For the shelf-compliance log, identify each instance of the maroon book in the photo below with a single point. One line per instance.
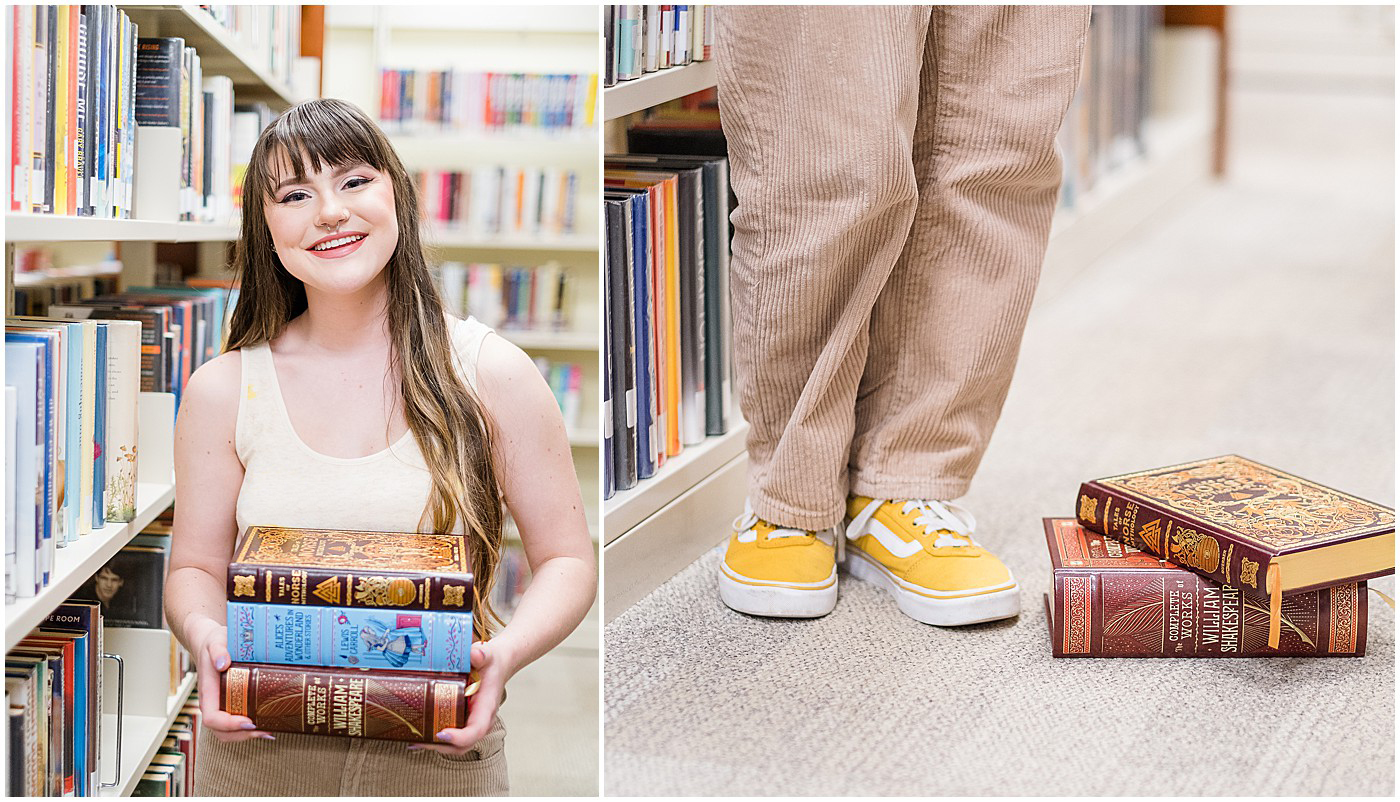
(1244, 524)
(350, 702)
(1113, 600)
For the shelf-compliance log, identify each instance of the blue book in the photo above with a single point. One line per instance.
(46, 393)
(23, 364)
(646, 362)
(99, 433)
(356, 637)
(72, 336)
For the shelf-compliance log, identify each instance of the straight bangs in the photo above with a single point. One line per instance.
(311, 137)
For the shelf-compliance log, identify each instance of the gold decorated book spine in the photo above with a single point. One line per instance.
(1181, 539)
(390, 590)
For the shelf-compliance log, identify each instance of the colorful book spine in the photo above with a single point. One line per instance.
(400, 706)
(349, 637)
(1112, 600)
(397, 590)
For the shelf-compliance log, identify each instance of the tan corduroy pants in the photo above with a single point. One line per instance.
(896, 173)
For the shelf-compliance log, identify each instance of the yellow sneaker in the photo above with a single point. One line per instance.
(772, 571)
(923, 553)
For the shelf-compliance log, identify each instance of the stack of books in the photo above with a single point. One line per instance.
(171, 770)
(1221, 557)
(356, 634)
(667, 266)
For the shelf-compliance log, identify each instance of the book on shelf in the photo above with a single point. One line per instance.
(53, 690)
(607, 411)
(1244, 524)
(508, 297)
(1113, 600)
(270, 34)
(498, 200)
(668, 232)
(620, 341)
(565, 380)
(72, 122)
(420, 101)
(130, 587)
(349, 702)
(640, 39)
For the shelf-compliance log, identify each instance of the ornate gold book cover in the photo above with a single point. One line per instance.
(368, 552)
(1230, 517)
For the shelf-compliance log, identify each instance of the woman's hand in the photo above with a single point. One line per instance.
(492, 665)
(210, 641)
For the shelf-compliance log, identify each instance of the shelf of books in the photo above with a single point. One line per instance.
(142, 736)
(77, 561)
(97, 354)
(253, 45)
(653, 54)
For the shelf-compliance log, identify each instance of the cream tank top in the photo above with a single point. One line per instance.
(286, 483)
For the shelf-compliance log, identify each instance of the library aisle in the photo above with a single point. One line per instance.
(1253, 316)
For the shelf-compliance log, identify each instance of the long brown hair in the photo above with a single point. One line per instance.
(445, 416)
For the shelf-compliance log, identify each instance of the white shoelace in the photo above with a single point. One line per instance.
(745, 525)
(953, 522)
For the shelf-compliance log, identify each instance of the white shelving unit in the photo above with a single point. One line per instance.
(627, 97)
(61, 228)
(76, 241)
(657, 527)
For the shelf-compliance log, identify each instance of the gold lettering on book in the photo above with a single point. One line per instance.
(236, 691)
(329, 590)
(244, 585)
(444, 706)
(299, 580)
(454, 595)
(1249, 572)
(316, 703)
(1088, 508)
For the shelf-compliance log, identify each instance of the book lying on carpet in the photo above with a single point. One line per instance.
(1113, 600)
(1244, 524)
(351, 702)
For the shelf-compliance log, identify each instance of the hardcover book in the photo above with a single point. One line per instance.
(129, 588)
(342, 636)
(1113, 600)
(357, 703)
(400, 590)
(1244, 524)
(370, 552)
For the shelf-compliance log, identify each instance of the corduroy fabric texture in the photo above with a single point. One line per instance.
(319, 765)
(896, 173)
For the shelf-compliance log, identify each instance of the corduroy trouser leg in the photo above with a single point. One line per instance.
(896, 173)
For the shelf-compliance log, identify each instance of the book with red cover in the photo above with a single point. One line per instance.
(1239, 523)
(1113, 600)
(349, 702)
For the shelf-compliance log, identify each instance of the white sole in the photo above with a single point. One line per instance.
(776, 600)
(1004, 602)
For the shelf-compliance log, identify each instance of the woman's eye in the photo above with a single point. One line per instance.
(357, 182)
(294, 196)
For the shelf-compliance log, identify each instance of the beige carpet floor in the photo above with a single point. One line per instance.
(1255, 316)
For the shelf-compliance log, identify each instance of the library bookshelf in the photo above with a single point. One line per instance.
(151, 697)
(660, 526)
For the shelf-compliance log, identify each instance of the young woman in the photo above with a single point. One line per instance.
(348, 399)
